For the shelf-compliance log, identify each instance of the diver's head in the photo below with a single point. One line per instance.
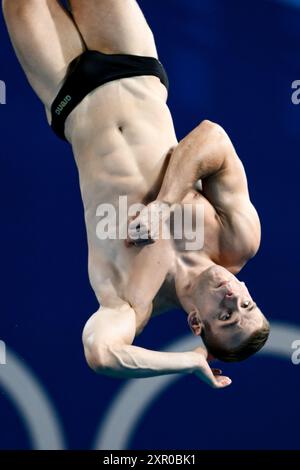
(221, 311)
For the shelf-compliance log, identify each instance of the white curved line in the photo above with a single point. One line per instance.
(32, 403)
(137, 395)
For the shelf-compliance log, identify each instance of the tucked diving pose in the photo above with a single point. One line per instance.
(95, 67)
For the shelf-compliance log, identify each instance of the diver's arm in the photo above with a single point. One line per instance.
(108, 338)
(205, 153)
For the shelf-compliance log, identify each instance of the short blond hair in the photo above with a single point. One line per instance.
(249, 347)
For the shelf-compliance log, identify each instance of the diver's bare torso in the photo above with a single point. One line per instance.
(121, 134)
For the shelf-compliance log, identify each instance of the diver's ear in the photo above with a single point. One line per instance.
(195, 323)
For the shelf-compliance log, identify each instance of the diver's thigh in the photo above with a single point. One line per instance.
(114, 26)
(45, 40)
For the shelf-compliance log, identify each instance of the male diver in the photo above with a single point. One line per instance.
(96, 70)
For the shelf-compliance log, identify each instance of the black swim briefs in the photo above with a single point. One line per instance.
(91, 70)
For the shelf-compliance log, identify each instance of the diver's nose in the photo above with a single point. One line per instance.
(236, 298)
(236, 302)
(231, 299)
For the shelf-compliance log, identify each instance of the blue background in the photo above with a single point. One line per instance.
(229, 61)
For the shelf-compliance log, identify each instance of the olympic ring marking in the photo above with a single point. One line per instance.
(119, 424)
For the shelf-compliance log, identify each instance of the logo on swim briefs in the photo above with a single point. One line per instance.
(2, 353)
(2, 92)
(63, 104)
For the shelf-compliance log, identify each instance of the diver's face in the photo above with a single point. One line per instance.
(225, 304)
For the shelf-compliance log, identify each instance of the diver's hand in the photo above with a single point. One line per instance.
(146, 228)
(212, 377)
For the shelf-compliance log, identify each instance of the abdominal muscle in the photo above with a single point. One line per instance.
(120, 134)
